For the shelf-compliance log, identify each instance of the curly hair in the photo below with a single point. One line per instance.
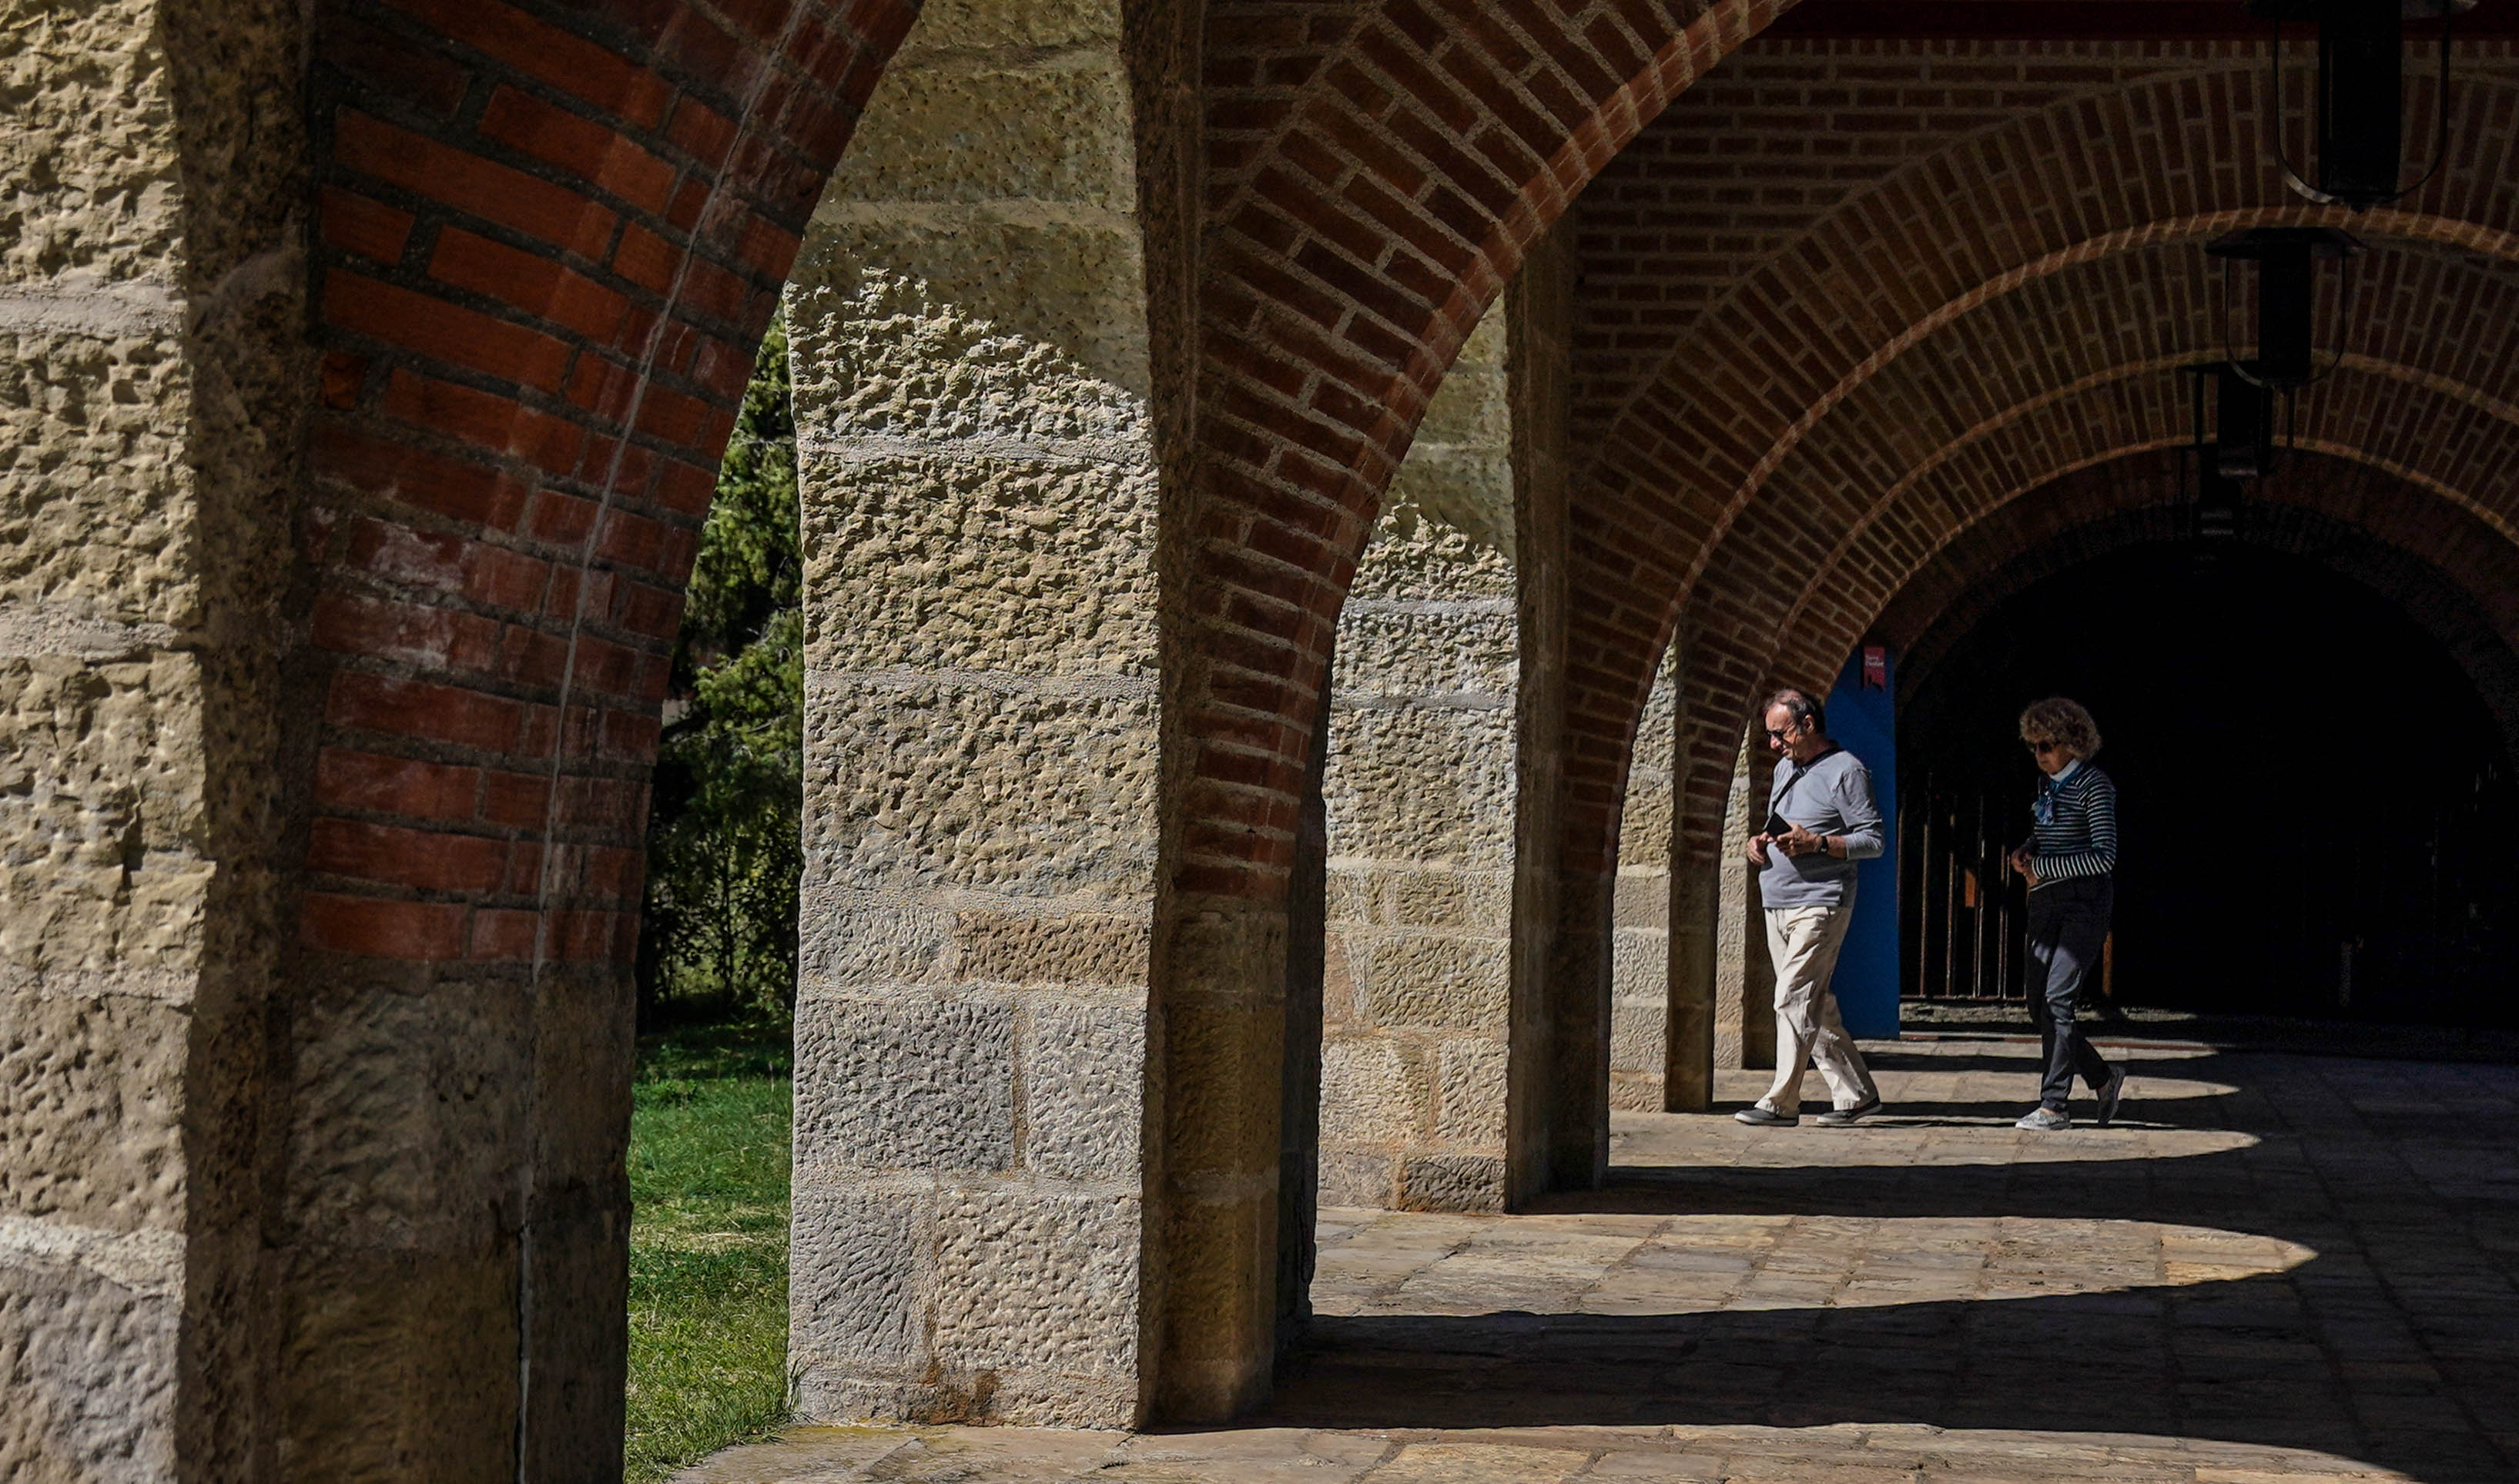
(2057, 720)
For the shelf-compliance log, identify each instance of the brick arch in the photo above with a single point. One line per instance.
(2377, 419)
(1937, 450)
(550, 238)
(2453, 573)
(2377, 415)
(1861, 499)
(1376, 174)
(2382, 415)
(1699, 446)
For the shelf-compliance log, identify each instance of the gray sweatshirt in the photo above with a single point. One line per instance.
(1833, 796)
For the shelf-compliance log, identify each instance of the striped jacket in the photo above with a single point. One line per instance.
(2078, 836)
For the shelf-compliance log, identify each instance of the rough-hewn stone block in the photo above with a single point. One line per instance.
(859, 1266)
(907, 1084)
(1031, 1282)
(1083, 1077)
(1430, 981)
(1015, 130)
(1470, 1106)
(91, 1106)
(1371, 1095)
(88, 1368)
(408, 1107)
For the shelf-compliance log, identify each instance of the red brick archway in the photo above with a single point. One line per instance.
(2427, 437)
(1905, 336)
(1376, 174)
(550, 236)
(2392, 417)
(1699, 472)
(549, 249)
(2454, 573)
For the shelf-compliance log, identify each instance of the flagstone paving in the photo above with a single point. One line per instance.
(2275, 1269)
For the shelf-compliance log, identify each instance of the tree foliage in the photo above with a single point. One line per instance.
(723, 845)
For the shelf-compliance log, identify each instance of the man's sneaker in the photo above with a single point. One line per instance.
(2044, 1120)
(1760, 1115)
(1841, 1118)
(2111, 1093)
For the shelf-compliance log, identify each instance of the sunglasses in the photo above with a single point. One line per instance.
(2046, 747)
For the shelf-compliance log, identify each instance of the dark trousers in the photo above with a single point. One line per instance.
(2069, 925)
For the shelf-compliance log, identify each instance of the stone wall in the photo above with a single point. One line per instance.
(1421, 799)
(971, 366)
(100, 761)
(151, 303)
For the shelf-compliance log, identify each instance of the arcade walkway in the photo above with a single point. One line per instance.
(2273, 1268)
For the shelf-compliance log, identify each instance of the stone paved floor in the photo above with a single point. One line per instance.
(2275, 1269)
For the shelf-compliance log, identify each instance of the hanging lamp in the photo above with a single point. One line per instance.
(2286, 300)
(2240, 441)
(2237, 445)
(2360, 114)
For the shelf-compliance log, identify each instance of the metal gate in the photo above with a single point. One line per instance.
(1965, 913)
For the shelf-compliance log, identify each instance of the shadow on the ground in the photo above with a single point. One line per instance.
(2398, 1346)
(2237, 1361)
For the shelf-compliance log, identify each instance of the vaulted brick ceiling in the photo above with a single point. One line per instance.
(1839, 301)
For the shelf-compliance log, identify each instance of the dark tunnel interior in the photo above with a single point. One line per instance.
(2316, 807)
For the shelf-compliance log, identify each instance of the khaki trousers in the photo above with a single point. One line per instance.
(1803, 942)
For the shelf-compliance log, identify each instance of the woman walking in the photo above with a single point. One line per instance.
(2068, 858)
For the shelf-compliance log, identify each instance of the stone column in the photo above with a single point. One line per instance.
(1420, 794)
(1745, 981)
(1698, 817)
(1641, 924)
(972, 369)
(153, 387)
(1558, 1091)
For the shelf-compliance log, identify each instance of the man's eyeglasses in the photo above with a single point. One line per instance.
(1780, 733)
(2036, 747)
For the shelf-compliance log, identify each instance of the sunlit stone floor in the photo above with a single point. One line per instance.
(2273, 1268)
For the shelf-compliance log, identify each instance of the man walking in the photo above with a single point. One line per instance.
(1821, 819)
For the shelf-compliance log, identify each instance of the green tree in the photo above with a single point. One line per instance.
(724, 845)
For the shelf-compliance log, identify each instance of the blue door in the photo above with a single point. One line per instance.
(1860, 717)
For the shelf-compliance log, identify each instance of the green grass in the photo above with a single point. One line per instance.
(708, 1244)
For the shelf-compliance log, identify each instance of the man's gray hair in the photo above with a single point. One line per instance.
(1800, 705)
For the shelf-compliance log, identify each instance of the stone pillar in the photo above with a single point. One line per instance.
(152, 385)
(1557, 1074)
(1420, 793)
(972, 371)
(1641, 924)
(1698, 820)
(1688, 1078)
(1745, 981)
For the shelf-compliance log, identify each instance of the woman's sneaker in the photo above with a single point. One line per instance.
(2111, 1093)
(2044, 1120)
(1760, 1115)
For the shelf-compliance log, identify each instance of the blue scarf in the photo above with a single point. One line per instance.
(2043, 807)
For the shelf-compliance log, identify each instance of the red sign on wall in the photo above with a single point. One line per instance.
(1875, 667)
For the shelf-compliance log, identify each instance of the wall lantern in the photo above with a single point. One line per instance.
(2361, 95)
(2286, 259)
